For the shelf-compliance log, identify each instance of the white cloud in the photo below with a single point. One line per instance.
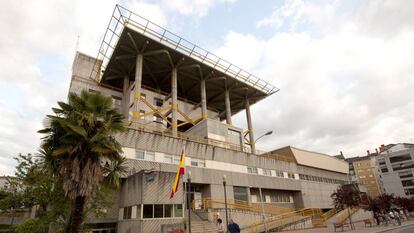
(340, 89)
(193, 7)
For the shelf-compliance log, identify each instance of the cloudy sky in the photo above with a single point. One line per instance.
(345, 68)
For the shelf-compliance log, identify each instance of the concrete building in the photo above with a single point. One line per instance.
(173, 93)
(396, 166)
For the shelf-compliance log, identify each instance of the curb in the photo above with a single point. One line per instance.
(394, 228)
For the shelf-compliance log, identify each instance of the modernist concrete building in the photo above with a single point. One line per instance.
(396, 166)
(174, 93)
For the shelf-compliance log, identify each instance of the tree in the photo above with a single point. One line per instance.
(79, 146)
(346, 196)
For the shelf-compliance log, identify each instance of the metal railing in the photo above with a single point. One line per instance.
(122, 17)
(345, 214)
(282, 220)
(270, 210)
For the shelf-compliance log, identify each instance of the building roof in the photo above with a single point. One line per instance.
(129, 34)
(314, 159)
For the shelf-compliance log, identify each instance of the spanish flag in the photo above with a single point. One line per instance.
(180, 173)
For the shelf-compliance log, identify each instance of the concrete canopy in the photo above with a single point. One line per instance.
(158, 62)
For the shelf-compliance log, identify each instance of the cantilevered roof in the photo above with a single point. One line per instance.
(314, 159)
(129, 34)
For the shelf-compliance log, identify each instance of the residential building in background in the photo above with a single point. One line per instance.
(396, 166)
(364, 171)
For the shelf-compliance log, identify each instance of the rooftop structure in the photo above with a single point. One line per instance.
(137, 54)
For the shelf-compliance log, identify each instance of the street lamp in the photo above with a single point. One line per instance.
(188, 201)
(263, 212)
(225, 202)
(266, 134)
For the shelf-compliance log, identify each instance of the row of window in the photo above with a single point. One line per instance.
(268, 172)
(173, 159)
(320, 179)
(150, 211)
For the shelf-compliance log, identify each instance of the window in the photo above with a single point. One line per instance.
(150, 155)
(158, 102)
(400, 158)
(148, 211)
(168, 159)
(291, 175)
(94, 91)
(267, 172)
(178, 210)
(279, 173)
(127, 212)
(139, 154)
(407, 183)
(384, 169)
(146, 155)
(252, 170)
(176, 160)
(406, 174)
(158, 211)
(197, 163)
(168, 211)
(240, 193)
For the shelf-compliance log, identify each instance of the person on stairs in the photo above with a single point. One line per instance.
(220, 227)
(233, 227)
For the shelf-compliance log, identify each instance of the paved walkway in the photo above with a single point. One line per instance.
(360, 228)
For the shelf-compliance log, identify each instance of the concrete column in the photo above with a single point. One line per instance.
(125, 97)
(228, 106)
(137, 87)
(250, 126)
(203, 99)
(174, 103)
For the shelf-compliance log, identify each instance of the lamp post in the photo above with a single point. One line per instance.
(266, 134)
(188, 201)
(225, 202)
(262, 205)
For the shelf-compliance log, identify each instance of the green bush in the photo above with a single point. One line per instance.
(30, 226)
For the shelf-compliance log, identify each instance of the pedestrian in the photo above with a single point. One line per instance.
(397, 218)
(220, 227)
(376, 217)
(233, 227)
(402, 215)
(386, 218)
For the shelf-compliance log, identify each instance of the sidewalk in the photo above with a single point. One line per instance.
(359, 228)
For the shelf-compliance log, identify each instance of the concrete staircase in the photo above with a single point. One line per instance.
(199, 225)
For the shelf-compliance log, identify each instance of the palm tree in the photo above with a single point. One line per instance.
(80, 148)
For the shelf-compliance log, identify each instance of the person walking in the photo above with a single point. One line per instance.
(376, 217)
(233, 227)
(220, 227)
(397, 218)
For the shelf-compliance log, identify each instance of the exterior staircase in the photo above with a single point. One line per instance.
(198, 225)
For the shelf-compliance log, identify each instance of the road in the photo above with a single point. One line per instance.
(409, 229)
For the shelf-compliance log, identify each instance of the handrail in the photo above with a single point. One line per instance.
(122, 17)
(345, 214)
(330, 213)
(209, 203)
(286, 218)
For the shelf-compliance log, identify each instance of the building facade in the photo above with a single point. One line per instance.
(364, 171)
(396, 166)
(177, 96)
